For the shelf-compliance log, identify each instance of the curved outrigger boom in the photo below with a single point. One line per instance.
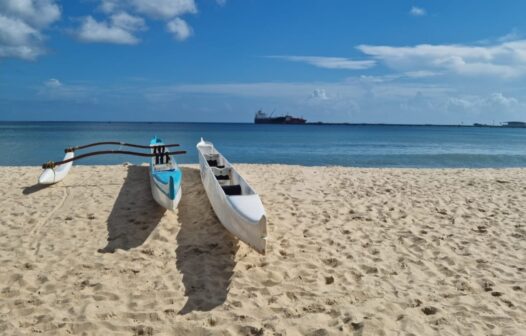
(57, 171)
(72, 149)
(162, 157)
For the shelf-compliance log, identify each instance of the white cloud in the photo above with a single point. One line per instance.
(235, 89)
(506, 60)
(164, 9)
(52, 83)
(110, 6)
(221, 2)
(511, 36)
(21, 26)
(319, 94)
(417, 11)
(500, 99)
(330, 62)
(179, 28)
(120, 30)
(128, 22)
(124, 24)
(36, 13)
(353, 100)
(16, 32)
(54, 90)
(366, 102)
(157, 9)
(419, 74)
(494, 102)
(460, 102)
(298, 91)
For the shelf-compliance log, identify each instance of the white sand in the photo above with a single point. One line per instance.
(351, 251)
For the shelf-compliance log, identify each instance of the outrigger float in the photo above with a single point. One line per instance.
(165, 174)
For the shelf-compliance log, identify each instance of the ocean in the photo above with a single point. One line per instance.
(32, 143)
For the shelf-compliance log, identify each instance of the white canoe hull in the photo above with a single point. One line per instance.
(243, 215)
(57, 174)
(160, 192)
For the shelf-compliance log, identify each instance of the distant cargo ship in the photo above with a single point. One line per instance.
(263, 118)
(507, 124)
(515, 124)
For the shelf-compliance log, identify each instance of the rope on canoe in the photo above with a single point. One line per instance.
(72, 149)
(159, 157)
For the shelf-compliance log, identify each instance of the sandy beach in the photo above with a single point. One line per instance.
(350, 252)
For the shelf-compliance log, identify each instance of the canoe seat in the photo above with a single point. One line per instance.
(213, 163)
(232, 190)
(222, 177)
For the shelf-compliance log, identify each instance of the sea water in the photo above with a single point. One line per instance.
(23, 143)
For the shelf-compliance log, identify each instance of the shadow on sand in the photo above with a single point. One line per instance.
(205, 249)
(35, 188)
(135, 213)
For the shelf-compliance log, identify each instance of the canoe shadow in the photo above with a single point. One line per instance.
(135, 213)
(205, 249)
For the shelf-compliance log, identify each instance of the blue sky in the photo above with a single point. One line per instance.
(221, 60)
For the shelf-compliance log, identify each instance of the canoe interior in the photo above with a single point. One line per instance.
(226, 176)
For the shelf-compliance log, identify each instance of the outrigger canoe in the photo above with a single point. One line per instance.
(165, 176)
(234, 201)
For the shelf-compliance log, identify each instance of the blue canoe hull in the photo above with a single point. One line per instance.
(165, 181)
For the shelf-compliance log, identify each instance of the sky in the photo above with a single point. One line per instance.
(418, 61)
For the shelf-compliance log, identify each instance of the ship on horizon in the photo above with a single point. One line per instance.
(263, 118)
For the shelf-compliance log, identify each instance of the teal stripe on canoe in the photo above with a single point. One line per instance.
(173, 190)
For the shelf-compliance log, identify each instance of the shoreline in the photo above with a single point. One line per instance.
(351, 251)
(125, 164)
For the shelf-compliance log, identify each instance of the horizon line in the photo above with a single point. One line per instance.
(319, 123)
